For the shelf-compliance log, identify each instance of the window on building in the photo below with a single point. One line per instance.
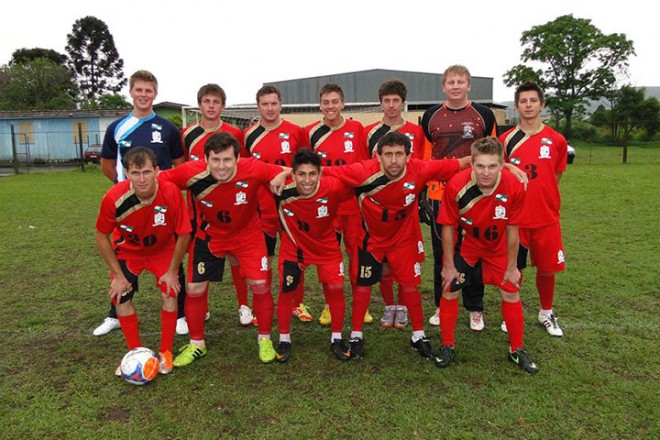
(25, 133)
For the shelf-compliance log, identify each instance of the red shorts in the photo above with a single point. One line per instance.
(331, 272)
(206, 262)
(493, 269)
(404, 261)
(135, 266)
(545, 247)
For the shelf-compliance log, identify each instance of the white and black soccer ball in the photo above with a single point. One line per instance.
(139, 366)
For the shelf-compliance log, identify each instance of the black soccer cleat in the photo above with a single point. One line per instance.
(340, 350)
(445, 357)
(423, 347)
(283, 352)
(357, 348)
(522, 359)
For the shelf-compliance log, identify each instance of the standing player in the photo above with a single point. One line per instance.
(391, 239)
(486, 203)
(340, 141)
(274, 140)
(153, 232)
(392, 96)
(211, 99)
(541, 152)
(451, 128)
(141, 127)
(307, 209)
(225, 191)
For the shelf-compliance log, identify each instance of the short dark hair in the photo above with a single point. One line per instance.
(393, 87)
(219, 142)
(269, 89)
(329, 88)
(139, 157)
(488, 145)
(529, 86)
(306, 156)
(394, 138)
(211, 89)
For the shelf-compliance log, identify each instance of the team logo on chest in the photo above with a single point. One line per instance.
(285, 145)
(544, 150)
(348, 143)
(159, 215)
(500, 213)
(410, 198)
(322, 211)
(241, 198)
(468, 130)
(156, 135)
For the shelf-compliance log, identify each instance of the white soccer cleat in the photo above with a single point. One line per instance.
(435, 319)
(550, 324)
(245, 315)
(476, 321)
(181, 326)
(109, 324)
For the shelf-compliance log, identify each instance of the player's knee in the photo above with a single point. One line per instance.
(450, 295)
(510, 297)
(259, 287)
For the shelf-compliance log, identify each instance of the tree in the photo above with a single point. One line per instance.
(23, 56)
(632, 111)
(109, 101)
(578, 62)
(94, 58)
(36, 85)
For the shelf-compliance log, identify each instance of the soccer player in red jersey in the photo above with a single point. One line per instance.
(541, 152)
(226, 195)
(486, 204)
(391, 239)
(274, 140)
(307, 209)
(339, 141)
(392, 96)
(153, 233)
(211, 99)
(450, 129)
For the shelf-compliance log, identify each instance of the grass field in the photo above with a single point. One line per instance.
(601, 381)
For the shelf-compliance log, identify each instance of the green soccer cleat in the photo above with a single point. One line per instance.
(267, 353)
(189, 354)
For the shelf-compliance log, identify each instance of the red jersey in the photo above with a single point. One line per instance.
(389, 207)
(143, 229)
(194, 138)
(226, 209)
(542, 155)
(306, 223)
(483, 216)
(275, 145)
(412, 131)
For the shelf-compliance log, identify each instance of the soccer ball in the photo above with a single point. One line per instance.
(139, 366)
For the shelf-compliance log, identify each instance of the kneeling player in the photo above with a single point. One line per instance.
(151, 219)
(307, 208)
(486, 203)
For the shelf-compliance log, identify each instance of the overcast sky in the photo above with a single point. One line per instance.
(242, 44)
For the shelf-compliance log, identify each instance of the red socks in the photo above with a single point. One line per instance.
(129, 327)
(448, 317)
(167, 330)
(515, 323)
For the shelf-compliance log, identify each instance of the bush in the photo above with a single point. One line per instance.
(584, 131)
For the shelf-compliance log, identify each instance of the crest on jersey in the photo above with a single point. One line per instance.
(544, 152)
(500, 213)
(348, 146)
(159, 219)
(241, 198)
(410, 199)
(286, 147)
(501, 197)
(322, 211)
(156, 137)
(468, 130)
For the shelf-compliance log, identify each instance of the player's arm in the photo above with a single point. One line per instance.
(277, 182)
(109, 156)
(108, 168)
(171, 277)
(178, 161)
(449, 272)
(119, 282)
(512, 275)
(350, 175)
